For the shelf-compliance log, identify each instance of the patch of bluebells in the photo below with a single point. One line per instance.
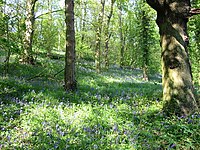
(130, 126)
(192, 119)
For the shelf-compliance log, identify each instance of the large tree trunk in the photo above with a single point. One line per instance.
(178, 90)
(69, 76)
(28, 38)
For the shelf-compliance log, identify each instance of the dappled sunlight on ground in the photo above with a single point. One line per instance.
(111, 110)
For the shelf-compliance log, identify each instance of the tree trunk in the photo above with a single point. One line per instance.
(145, 47)
(7, 61)
(29, 22)
(50, 26)
(83, 18)
(98, 38)
(122, 38)
(108, 34)
(69, 76)
(178, 90)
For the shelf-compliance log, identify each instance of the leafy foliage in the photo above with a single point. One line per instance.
(194, 28)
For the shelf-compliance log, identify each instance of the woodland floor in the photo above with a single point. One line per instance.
(113, 110)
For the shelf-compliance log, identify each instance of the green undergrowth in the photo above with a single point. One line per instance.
(114, 110)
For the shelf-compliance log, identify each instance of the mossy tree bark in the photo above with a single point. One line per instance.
(178, 90)
(69, 74)
(145, 46)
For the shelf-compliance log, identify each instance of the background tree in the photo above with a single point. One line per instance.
(11, 30)
(28, 37)
(69, 76)
(98, 37)
(5, 35)
(121, 35)
(49, 34)
(194, 45)
(140, 26)
(83, 30)
(178, 90)
(108, 34)
(145, 36)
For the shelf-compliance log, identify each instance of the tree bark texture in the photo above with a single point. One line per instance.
(69, 76)
(178, 90)
(28, 38)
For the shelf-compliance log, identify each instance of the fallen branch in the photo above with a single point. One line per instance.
(58, 72)
(37, 76)
(42, 75)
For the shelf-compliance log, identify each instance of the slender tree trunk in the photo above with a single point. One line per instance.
(6, 67)
(178, 90)
(82, 26)
(29, 22)
(145, 47)
(108, 35)
(69, 76)
(122, 40)
(83, 22)
(98, 38)
(19, 28)
(50, 22)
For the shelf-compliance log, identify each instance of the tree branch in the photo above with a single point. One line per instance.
(156, 4)
(50, 12)
(194, 11)
(58, 72)
(93, 24)
(38, 75)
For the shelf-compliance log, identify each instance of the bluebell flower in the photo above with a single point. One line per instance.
(115, 127)
(172, 145)
(189, 121)
(8, 137)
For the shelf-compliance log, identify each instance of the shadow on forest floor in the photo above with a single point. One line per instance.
(27, 79)
(111, 110)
